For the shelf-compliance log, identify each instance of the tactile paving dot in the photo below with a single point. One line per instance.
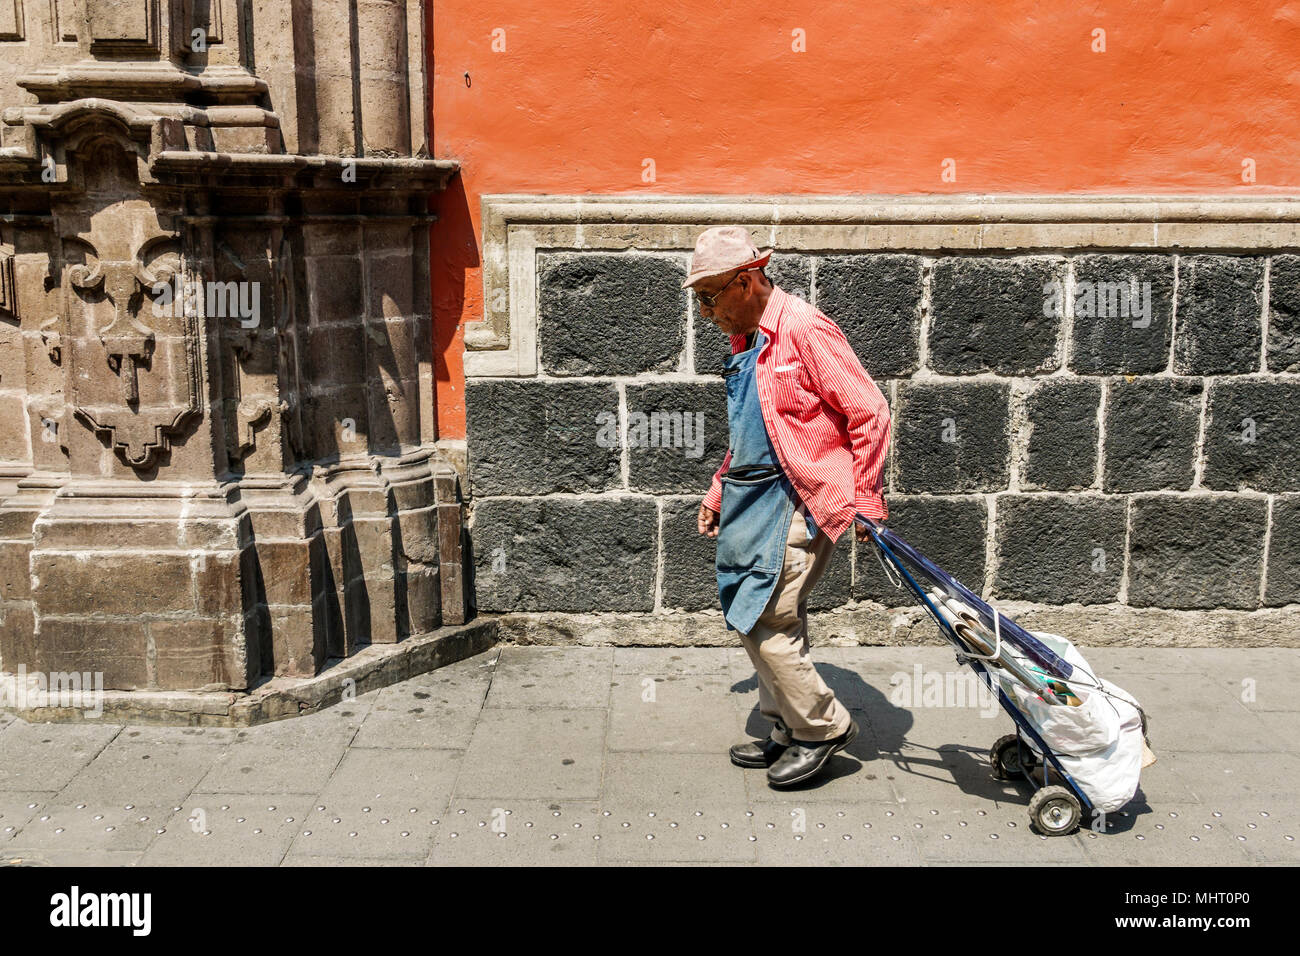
(835, 835)
(1187, 834)
(999, 835)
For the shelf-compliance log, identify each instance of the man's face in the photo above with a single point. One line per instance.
(729, 310)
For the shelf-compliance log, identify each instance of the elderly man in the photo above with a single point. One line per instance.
(809, 430)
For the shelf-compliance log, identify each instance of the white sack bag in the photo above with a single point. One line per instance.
(1108, 773)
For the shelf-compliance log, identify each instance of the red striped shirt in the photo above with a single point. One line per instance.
(827, 419)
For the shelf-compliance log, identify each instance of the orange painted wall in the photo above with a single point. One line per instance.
(886, 90)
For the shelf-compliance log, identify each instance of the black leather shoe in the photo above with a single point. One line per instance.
(803, 759)
(757, 754)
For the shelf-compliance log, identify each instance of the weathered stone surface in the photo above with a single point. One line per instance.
(792, 273)
(994, 315)
(1151, 429)
(1123, 314)
(677, 435)
(304, 347)
(119, 583)
(15, 572)
(1284, 314)
(1219, 315)
(876, 300)
(565, 554)
(1061, 454)
(951, 437)
(610, 315)
(1059, 550)
(690, 580)
(118, 649)
(1252, 435)
(190, 655)
(949, 531)
(1200, 551)
(1283, 585)
(539, 437)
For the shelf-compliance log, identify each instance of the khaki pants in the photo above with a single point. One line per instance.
(791, 693)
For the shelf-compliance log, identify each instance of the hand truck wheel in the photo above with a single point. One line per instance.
(1055, 811)
(1005, 758)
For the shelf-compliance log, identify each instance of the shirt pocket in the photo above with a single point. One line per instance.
(794, 392)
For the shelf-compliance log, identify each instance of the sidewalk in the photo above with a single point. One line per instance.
(545, 755)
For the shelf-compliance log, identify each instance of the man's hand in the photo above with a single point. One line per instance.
(708, 521)
(862, 532)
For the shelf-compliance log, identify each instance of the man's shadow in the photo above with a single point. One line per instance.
(882, 747)
(867, 704)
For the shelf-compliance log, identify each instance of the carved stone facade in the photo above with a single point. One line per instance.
(217, 452)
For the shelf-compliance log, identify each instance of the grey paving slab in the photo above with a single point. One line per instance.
(1170, 835)
(535, 752)
(896, 726)
(296, 859)
(660, 662)
(1255, 780)
(94, 827)
(552, 677)
(1215, 660)
(385, 779)
(481, 832)
(1266, 837)
(683, 713)
(17, 807)
(403, 776)
(1259, 689)
(1206, 719)
(1115, 663)
(44, 856)
(335, 725)
(47, 756)
(375, 829)
(1159, 783)
(436, 710)
(673, 807)
(229, 829)
(140, 772)
(994, 834)
(146, 734)
(380, 803)
(861, 833)
(949, 778)
(273, 768)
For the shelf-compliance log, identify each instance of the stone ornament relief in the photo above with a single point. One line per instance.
(134, 376)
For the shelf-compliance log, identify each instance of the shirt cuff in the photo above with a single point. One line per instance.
(871, 506)
(713, 500)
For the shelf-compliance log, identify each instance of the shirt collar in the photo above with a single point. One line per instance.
(770, 319)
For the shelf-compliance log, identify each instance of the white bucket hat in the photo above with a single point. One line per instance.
(723, 249)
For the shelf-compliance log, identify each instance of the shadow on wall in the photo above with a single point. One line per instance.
(456, 248)
(457, 253)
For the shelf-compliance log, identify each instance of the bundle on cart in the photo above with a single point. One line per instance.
(1085, 731)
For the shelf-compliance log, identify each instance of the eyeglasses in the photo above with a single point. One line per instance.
(712, 299)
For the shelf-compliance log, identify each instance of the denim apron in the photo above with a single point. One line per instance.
(758, 501)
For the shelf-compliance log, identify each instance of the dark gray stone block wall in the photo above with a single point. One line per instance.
(1096, 428)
